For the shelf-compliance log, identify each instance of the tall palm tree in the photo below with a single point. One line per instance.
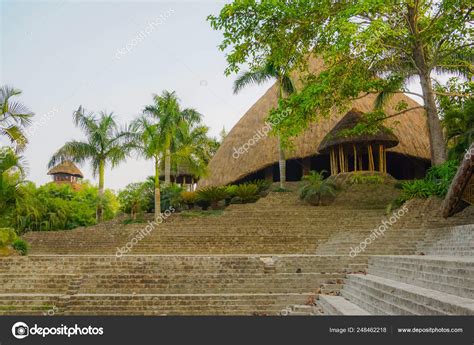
(286, 87)
(14, 117)
(149, 143)
(167, 111)
(105, 144)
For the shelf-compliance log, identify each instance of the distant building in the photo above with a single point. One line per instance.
(66, 173)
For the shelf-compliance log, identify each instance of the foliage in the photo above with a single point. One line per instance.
(212, 194)
(135, 199)
(14, 118)
(171, 196)
(194, 214)
(20, 246)
(366, 46)
(357, 178)
(435, 183)
(458, 118)
(59, 207)
(262, 185)
(247, 192)
(105, 143)
(315, 187)
(189, 198)
(9, 238)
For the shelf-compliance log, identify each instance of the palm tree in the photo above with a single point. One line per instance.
(14, 117)
(12, 176)
(286, 87)
(149, 143)
(105, 144)
(167, 111)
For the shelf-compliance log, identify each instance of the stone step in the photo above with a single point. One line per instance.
(384, 294)
(337, 305)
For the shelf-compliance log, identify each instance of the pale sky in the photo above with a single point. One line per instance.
(63, 54)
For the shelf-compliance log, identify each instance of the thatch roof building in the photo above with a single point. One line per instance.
(66, 173)
(408, 159)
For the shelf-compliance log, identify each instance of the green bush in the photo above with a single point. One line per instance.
(262, 185)
(189, 198)
(20, 246)
(246, 193)
(135, 199)
(170, 197)
(212, 195)
(7, 236)
(315, 190)
(435, 183)
(59, 207)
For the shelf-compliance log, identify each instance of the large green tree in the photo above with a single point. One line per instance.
(106, 144)
(262, 74)
(367, 46)
(14, 117)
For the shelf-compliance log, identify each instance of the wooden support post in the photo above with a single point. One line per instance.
(355, 157)
(385, 160)
(341, 158)
(371, 158)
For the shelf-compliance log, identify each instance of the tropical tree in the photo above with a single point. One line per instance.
(14, 117)
(105, 144)
(170, 116)
(367, 47)
(260, 75)
(149, 143)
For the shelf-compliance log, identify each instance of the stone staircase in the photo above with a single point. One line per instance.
(277, 256)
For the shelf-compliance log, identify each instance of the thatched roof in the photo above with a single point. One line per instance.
(335, 137)
(66, 167)
(178, 172)
(462, 186)
(410, 128)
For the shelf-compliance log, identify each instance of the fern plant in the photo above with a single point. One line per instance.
(212, 195)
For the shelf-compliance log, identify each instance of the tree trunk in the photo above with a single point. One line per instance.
(100, 206)
(167, 167)
(157, 190)
(437, 143)
(281, 164)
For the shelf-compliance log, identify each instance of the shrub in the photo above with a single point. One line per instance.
(20, 246)
(315, 188)
(171, 196)
(230, 190)
(189, 198)
(135, 199)
(212, 195)
(262, 185)
(246, 193)
(435, 183)
(7, 236)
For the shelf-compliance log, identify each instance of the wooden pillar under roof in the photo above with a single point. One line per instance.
(269, 173)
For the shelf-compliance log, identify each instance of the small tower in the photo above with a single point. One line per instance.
(66, 173)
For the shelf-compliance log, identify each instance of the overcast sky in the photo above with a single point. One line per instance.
(63, 54)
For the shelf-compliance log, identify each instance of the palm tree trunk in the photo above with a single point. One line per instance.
(157, 190)
(281, 164)
(437, 143)
(100, 206)
(167, 166)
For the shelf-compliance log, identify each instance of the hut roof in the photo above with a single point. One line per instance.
(335, 137)
(410, 128)
(178, 172)
(66, 167)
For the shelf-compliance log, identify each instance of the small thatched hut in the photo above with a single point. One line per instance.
(350, 152)
(182, 175)
(66, 173)
(409, 159)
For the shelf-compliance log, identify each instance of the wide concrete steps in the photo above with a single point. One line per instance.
(337, 305)
(381, 296)
(452, 275)
(183, 304)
